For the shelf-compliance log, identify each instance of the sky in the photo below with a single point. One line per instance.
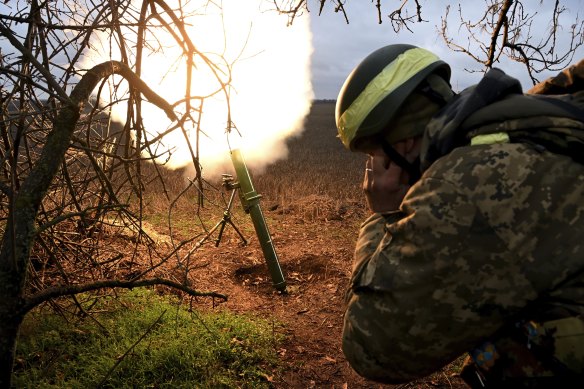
(339, 47)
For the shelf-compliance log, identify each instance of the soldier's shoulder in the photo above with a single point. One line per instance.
(480, 160)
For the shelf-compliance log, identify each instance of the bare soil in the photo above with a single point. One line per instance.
(316, 260)
(314, 234)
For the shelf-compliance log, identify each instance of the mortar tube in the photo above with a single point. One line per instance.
(251, 203)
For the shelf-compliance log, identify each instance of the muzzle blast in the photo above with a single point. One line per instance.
(250, 200)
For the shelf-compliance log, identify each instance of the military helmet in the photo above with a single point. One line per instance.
(379, 85)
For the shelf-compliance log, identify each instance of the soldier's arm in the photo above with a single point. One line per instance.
(429, 287)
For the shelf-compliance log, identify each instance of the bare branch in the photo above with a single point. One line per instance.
(503, 29)
(399, 20)
(5, 31)
(68, 290)
(507, 25)
(502, 22)
(90, 80)
(72, 180)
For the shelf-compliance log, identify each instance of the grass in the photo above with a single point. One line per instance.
(140, 339)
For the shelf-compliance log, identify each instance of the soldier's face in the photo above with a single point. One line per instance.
(370, 145)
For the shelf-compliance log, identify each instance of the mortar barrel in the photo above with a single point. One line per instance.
(251, 202)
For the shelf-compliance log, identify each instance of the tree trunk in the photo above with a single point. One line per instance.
(14, 261)
(8, 334)
(20, 230)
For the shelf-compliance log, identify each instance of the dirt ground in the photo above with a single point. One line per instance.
(316, 258)
(313, 204)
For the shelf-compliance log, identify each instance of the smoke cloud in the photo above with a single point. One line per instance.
(270, 90)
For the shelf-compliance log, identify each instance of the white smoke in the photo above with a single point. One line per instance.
(270, 91)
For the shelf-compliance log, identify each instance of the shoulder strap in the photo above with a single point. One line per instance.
(576, 111)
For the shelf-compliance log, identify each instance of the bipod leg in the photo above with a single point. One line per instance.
(238, 232)
(227, 219)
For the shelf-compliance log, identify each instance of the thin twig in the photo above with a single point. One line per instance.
(128, 351)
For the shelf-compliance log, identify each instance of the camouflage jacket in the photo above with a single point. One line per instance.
(496, 105)
(490, 236)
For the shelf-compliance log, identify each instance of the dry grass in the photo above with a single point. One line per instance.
(319, 171)
(319, 180)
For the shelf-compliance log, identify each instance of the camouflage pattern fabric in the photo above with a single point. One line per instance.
(490, 236)
(446, 132)
(497, 104)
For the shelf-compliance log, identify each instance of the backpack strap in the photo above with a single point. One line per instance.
(566, 105)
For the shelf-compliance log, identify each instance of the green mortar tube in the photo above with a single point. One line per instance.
(251, 204)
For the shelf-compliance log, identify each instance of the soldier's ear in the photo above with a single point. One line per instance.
(409, 144)
(413, 147)
(412, 143)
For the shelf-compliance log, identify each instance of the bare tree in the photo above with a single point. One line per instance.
(503, 28)
(71, 180)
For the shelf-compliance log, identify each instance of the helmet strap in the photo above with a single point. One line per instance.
(413, 169)
(426, 89)
(437, 89)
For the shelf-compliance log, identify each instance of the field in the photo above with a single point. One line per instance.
(313, 204)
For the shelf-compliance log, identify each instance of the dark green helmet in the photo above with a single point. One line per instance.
(379, 85)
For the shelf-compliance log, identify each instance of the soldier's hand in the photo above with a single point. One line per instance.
(385, 183)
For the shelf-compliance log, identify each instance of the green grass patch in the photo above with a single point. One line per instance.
(143, 340)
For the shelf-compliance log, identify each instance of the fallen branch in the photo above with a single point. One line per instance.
(68, 290)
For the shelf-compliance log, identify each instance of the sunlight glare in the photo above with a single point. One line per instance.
(270, 90)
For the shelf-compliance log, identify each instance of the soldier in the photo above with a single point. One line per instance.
(476, 239)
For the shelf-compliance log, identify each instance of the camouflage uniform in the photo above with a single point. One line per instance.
(486, 254)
